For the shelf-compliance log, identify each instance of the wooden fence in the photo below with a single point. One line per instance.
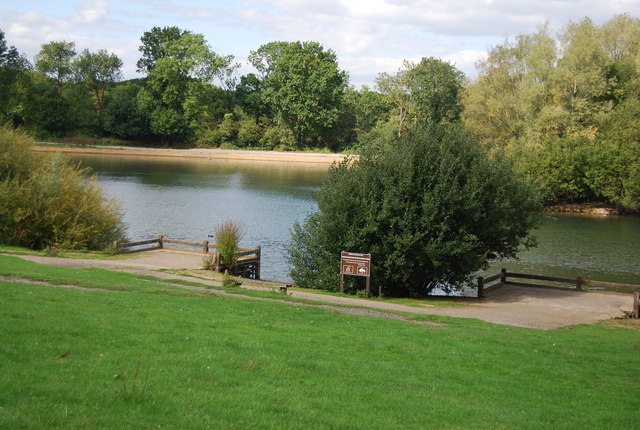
(248, 264)
(576, 284)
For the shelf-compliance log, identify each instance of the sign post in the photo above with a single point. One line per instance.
(355, 264)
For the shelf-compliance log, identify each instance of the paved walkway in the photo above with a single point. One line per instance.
(509, 305)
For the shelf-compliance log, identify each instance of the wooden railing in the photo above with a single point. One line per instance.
(248, 264)
(575, 284)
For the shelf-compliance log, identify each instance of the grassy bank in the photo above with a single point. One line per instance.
(154, 357)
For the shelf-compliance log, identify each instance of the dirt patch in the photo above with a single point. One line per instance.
(18, 280)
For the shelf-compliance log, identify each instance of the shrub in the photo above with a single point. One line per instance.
(45, 201)
(249, 133)
(435, 206)
(228, 235)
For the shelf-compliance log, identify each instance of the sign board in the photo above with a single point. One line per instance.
(355, 264)
(352, 263)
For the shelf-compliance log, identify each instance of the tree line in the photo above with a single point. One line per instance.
(564, 106)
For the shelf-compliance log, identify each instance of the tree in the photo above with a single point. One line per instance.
(436, 89)
(303, 87)
(124, 116)
(429, 91)
(47, 112)
(562, 108)
(98, 71)
(10, 57)
(176, 83)
(54, 60)
(396, 90)
(435, 206)
(155, 45)
(367, 108)
(13, 80)
(249, 97)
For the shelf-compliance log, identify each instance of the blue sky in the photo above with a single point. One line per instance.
(369, 36)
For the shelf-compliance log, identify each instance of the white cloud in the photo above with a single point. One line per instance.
(369, 36)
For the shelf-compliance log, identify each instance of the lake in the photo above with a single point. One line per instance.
(186, 199)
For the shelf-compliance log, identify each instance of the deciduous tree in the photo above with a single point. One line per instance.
(54, 60)
(434, 206)
(98, 71)
(303, 86)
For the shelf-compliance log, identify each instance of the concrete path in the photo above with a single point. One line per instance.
(509, 305)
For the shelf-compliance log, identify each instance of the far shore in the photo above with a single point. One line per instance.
(198, 153)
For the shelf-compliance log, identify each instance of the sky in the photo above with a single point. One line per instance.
(368, 36)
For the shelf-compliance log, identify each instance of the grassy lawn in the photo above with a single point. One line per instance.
(160, 357)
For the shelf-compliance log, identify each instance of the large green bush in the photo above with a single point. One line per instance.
(435, 206)
(47, 201)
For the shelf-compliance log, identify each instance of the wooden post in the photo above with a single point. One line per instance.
(205, 246)
(503, 276)
(579, 283)
(368, 288)
(217, 261)
(258, 257)
(160, 241)
(636, 305)
(342, 283)
(480, 287)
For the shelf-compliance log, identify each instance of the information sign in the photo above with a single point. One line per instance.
(355, 264)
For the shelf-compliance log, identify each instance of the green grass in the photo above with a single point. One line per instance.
(92, 359)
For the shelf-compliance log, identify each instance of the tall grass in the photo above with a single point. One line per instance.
(228, 235)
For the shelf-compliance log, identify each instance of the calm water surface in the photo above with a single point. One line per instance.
(186, 199)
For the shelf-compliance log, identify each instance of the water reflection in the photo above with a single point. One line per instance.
(185, 199)
(597, 248)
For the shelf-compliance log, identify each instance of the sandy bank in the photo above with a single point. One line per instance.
(212, 154)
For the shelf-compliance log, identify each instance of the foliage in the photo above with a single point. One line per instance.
(436, 88)
(228, 235)
(429, 91)
(13, 81)
(54, 60)
(155, 44)
(569, 94)
(564, 109)
(48, 202)
(124, 117)
(434, 206)
(303, 87)
(47, 112)
(98, 71)
(176, 82)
